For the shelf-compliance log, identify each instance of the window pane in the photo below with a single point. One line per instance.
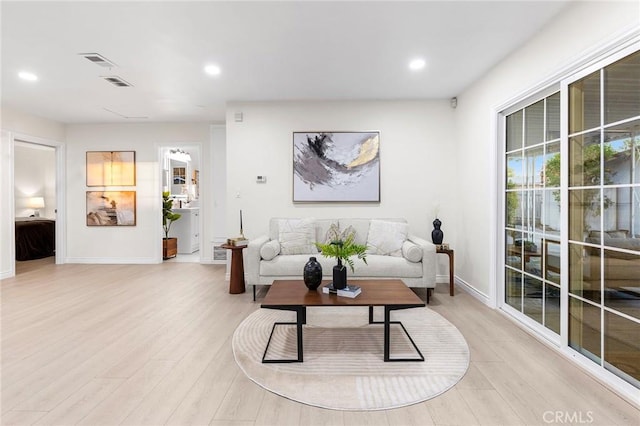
(622, 346)
(513, 288)
(584, 328)
(552, 165)
(515, 172)
(513, 214)
(514, 131)
(552, 308)
(622, 153)
(512, 256)
(584, 159)
(552, 264)
(534, 163)
(622, 281)
(622, 89)
(534, 123)
(584, 103)
(584, 272)
(584, 213)
(622, 216)
(551, 212)
(553, 117)
(533, 298)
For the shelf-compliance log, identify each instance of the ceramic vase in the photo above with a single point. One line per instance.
(437, 235)
(312, 274)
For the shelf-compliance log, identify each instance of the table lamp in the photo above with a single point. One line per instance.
(36, 203)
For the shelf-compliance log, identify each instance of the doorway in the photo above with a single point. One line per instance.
(37, 199)
(181, 178)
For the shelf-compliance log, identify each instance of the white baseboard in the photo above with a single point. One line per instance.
(7, 274)
(472, 291)
(441, 279)
(113, 260)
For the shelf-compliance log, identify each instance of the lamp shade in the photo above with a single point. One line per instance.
(35, 203)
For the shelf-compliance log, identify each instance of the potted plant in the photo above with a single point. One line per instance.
(343, 250)
(169, 245)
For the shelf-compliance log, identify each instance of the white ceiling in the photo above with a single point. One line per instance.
(267, 51)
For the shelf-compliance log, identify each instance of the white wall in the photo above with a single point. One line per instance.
(572, 35)
(417, 161)
(136, 244)
(34, 176)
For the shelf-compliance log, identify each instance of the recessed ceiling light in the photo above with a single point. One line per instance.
(212, 70)
(417, 64)
(29, 76)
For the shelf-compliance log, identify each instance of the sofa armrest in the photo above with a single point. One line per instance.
(251, 259)
(428, 260)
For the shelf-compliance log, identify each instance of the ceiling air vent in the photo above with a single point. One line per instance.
(116, 81)
(98, 60)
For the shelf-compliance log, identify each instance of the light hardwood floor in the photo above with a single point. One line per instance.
(151, 345)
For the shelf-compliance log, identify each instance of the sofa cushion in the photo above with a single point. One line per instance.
(297, 236)
(386, 238)
(270, 250)
(361, 226)
(321, 225)
(293, 265)
(376, 267)
(411, 251)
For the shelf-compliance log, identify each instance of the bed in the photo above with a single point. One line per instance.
(35, 238)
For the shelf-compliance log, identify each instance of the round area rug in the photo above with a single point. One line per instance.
(344, 366)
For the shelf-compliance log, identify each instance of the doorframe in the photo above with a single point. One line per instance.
(60, 167)
(161, 149)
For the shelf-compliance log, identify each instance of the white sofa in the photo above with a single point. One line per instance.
(267, 258)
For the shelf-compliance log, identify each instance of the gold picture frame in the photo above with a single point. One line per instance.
(111, 208)
(111, 168)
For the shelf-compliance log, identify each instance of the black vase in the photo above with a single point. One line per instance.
(312, 274)
(339, 276)
(437, 234)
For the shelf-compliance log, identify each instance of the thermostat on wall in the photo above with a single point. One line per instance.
(261, 179)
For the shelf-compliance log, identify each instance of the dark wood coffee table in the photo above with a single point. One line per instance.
(293, 295)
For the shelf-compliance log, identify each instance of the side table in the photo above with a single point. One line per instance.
(448, 252)
(236, 279)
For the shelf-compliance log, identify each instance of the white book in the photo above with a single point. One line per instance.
(350, 291)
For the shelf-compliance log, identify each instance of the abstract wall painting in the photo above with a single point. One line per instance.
(111, 168)
(336, 166)
(111, 208)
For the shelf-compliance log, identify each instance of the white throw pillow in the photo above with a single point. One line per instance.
(297, 236)
(386, 238)
(270, 250)
(412, 252)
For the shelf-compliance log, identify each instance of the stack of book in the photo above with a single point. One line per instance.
(349, 291)
(237, 242)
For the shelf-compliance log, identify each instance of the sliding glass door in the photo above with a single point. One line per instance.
(571, 210)
(604, 217)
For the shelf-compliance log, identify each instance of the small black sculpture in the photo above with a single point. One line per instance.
(437, 235)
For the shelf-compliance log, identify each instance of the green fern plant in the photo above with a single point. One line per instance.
(343, 250)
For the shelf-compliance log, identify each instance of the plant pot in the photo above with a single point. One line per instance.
(169, 248)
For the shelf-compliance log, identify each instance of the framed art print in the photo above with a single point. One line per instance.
(336, 166)
(111, 168)
(111, 208)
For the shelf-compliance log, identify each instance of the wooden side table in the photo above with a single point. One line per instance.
(236, 279)
(448, 252)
